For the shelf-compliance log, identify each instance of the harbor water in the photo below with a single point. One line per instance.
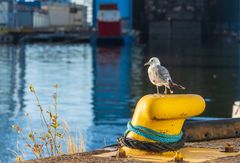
(99, 86)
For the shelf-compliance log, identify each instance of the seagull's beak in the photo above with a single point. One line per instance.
(145, 64)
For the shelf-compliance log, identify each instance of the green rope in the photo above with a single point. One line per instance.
(153, 135)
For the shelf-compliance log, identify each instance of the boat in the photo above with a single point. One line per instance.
(109, 25)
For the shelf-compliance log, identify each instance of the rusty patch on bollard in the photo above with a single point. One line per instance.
(121, 153)
(229, 148)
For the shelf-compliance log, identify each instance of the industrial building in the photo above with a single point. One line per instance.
(42, 14)
(170, 20)
(30, 15)
(3, 13)
(65, 15)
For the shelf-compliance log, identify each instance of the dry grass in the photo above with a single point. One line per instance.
(49, 142)
(74, 144)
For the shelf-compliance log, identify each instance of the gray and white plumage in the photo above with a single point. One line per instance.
(160, 76)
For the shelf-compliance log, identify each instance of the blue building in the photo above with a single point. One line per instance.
(124, 6)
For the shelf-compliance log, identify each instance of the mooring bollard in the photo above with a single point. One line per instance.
(156, 126)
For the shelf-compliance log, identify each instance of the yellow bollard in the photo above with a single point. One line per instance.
(164, 114)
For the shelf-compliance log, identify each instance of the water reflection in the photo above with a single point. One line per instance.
(112, 67)
(93, 97)
(99, 86)
(71, 67)
(211, 69)
(11, 93)
(43, 65)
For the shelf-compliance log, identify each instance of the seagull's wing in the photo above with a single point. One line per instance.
(159, 75)
(167, 78)
(163, 74)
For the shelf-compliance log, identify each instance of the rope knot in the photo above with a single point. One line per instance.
(164, 142)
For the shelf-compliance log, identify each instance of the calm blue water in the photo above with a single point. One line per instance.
(99, 87)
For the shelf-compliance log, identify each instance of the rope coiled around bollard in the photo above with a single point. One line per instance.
(164, 142)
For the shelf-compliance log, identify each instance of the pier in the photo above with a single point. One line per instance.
(31, 36)
(207, 151)
(182, 20)
(23, 21)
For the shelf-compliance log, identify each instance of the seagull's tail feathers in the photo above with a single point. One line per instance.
(174, 85)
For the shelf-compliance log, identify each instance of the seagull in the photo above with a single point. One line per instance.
(160, 76)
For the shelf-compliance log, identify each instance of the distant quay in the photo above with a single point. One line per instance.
(31, 36)
(37, 21)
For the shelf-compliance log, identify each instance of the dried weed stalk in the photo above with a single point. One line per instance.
(49, 142)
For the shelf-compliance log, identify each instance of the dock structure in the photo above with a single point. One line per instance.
(41, 20)
(45, 36)
(224, 16)
(175, 20)
(213, 151)
(157, 20)
(170, 20)
(204, 143)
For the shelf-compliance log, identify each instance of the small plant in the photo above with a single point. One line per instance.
(47, 143)
(73, 144)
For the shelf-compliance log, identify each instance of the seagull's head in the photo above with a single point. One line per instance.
(153, 62)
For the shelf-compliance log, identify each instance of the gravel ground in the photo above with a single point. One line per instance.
(88, 158)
